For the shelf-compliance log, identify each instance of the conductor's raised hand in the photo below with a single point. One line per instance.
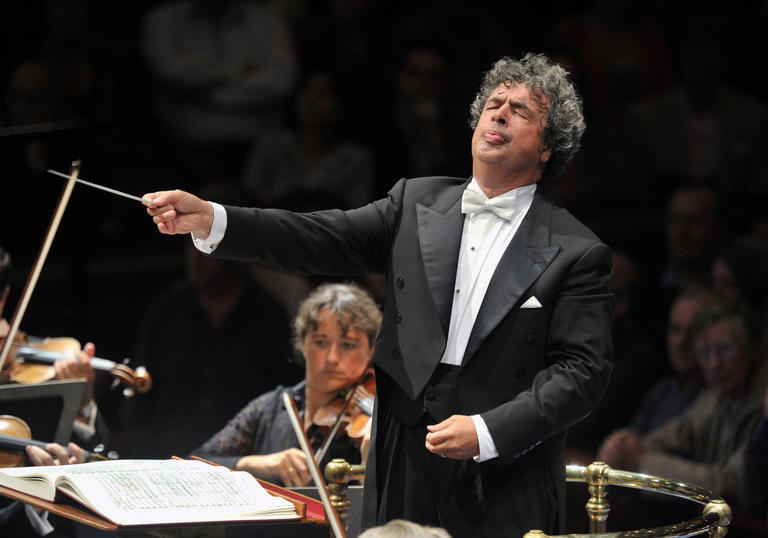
(455, 437)
(179, 212)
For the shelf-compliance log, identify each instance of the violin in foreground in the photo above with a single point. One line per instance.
(15, 435)
(353, 410)
(32, 362)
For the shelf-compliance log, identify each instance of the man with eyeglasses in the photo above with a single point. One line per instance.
(706, 444)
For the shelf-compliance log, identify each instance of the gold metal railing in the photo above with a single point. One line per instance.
(714, 520)
(338, 473)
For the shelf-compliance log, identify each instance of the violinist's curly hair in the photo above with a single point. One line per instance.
(565, 118)
(354, 307)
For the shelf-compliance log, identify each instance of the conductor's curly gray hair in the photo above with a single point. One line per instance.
(565, 118)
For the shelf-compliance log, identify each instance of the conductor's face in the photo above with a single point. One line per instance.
(335, 359)
(508, 137)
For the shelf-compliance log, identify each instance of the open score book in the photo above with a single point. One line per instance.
(154, 492)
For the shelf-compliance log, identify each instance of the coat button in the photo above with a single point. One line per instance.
(531, 338)
(398, 318)
(400, 282)
(519, 371)
(396, 354)
(431, 396)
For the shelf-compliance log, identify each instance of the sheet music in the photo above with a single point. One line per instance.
(139, 492)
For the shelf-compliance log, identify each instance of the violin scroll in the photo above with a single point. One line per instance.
(133, 381)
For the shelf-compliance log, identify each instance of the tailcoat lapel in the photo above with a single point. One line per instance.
(440, 229)
(522, 263)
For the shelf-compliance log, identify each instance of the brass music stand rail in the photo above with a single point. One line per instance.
(714, 519)
(338, 472)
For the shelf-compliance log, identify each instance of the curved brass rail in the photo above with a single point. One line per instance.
(714, 519)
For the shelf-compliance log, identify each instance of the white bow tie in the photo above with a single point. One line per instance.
(474, 202)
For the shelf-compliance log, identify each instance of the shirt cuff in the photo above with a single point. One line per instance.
(487, 446)
(218, 227)
(39, 522)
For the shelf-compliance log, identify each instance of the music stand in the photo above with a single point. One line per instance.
(49, 408)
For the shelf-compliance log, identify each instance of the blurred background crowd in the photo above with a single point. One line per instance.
(314, 104)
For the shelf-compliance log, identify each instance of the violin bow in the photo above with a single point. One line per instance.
(314, 468)
(29, 287)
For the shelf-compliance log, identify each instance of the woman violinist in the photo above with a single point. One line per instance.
(334, 333)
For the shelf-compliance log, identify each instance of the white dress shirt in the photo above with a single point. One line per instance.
(484, 239)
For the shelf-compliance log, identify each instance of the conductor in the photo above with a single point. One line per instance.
(496, 334)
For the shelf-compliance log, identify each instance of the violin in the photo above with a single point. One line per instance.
(32, 362)
(354, 409)
(15, 435)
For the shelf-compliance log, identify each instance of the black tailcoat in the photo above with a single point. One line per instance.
(529, 372)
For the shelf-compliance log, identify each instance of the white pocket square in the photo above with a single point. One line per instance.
(532, 302)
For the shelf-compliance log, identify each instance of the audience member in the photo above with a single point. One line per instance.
(347, 37)
(621, 53)
(400, 528)
(622, 49)
(414, 138)
(706, 444)
(313, 157)
(739, 274)
(669, 395)
(693, 235)
(221, 70)
(334, 334)
(702, 129)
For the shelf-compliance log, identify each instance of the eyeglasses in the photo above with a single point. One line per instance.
(723, 350)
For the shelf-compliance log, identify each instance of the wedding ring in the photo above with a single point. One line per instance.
(442, 454)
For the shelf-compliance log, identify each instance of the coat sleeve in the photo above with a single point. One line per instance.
(331, 242)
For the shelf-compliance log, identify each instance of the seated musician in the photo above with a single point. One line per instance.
(334, 334)
(89, 429)
(17, 519)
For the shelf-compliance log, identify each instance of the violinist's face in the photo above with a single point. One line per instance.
(334, 360)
